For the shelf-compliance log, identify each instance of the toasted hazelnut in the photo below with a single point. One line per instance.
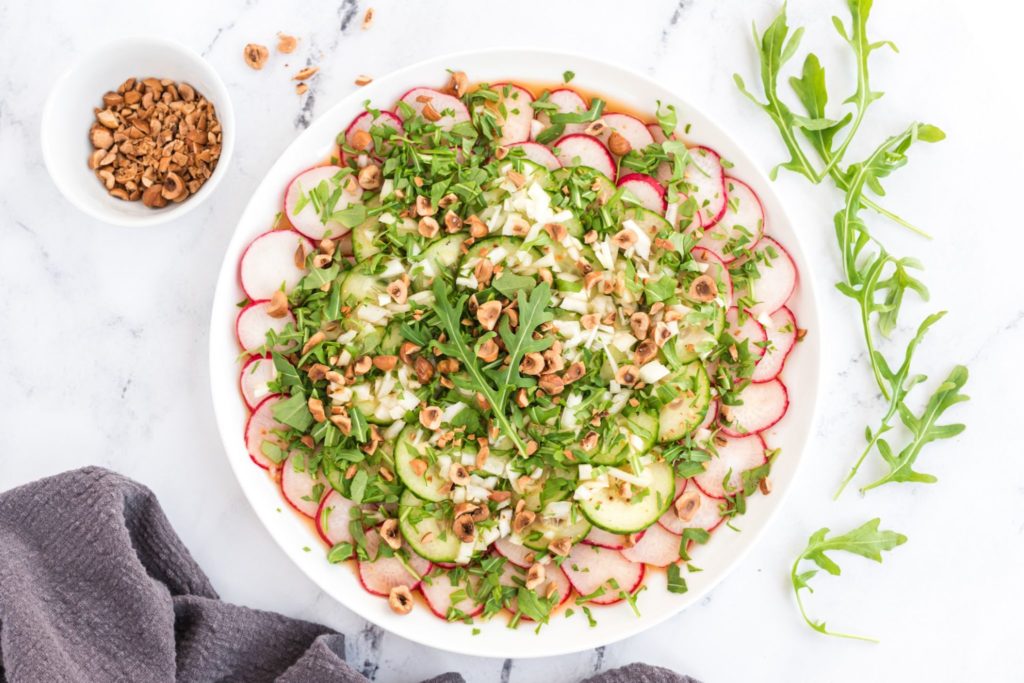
(418, 466)
(765, 486)
(100, 137)
(618, 144)
(596, 128)
(522, 398)
(278, 306)
(464, 528)
(424, 369)
(174, 189)
(430, 417)
(719, 439)
(317, 372)
(153, 197)
(591, 279)
(363, 79)
(534, 575)
(255, 55)
(458, 83)
(452, 222)
(406, 350)
(687, 505)
(362, 365)
(703, 288)
(398, 291)
(488, 351)
(368, 19)
(322, 260)
(645, 352)
(385, 363)
(532, 364)
(561, 547)
(390, 533)
(487, 314)
(400, 599)
(362, 140)
(305, 73)
(484, 271)
(429, 113)
(627, 375)
(518, 225)
(662, 334)
(448, 366)
(531, 448)
(369, 177)
(342, 422)
(640, 323)
(624, 239)
(499, 496)
(556, 231)
(589, 441)
(428, 227)
(477, 228)
(576, 371)
(316, 408)
(590, 237)
(521, 520)
(286, 44)
(313, 341)
(551, 384)
(516, 178)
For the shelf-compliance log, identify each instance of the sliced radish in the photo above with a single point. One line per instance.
(781, 340)
(659, 547)
(307, 221)
(707, 516)
(764, 404)
(633, 129)
(256, 373)
(590, 568)
(538, 154)
(568, 102)
(333, 517)
(554, 580)
(300, 486)
(585, 150)
(742, 224)
(270, 261)
(379, 576)
(718, 270)
(778, 277)
(738, 455)
(646, 189)
(750, 329)
(438, 591)
(710, 415)
(518, 114)
(366, 121)
(657, 134)
(706, 175)
(451, 109)
(519, 555)
(606, 539)
(254, 322)
(261, 427)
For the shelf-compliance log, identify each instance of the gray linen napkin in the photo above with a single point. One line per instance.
(96, 586)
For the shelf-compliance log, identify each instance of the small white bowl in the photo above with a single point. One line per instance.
(68, 115)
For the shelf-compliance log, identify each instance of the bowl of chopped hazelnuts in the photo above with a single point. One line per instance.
(138, 132)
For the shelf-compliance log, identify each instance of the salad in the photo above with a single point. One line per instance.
(512, 351)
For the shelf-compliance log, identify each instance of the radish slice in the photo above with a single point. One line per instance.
(554, 579)
(538, 154)
(568, 102)
(256, 373)
(519, 555)
(606, 539)
(738, 455)
(333, 517)
(778, 277)
(260, 428)
(741, 225)
(384, 573)
(270, 262)
(646, 189)
(781, 340)
(438, 589)
(366, 121)
(658, 548)
(451, 109)
(518, 113)
(254, 322)
(299, 486)
(707, 516)
(717, 269)
(307, 221)
(585, 150)
(710, 415)
(764, 404)
(657, 134)
(749, 329)
(707, 177)
(590, 568)
(633, 129)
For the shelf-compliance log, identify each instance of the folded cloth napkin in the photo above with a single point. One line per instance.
(96, 586)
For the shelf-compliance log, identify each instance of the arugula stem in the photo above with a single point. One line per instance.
(810, 622)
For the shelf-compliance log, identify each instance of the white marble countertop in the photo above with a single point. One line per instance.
(104, 329)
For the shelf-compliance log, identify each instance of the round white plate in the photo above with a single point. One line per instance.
(292, 533)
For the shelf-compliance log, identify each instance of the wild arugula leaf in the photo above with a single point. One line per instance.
(287, 375)
(508, 283)
(865, 541)
(293, 412)
(676, 583)
(318, 277)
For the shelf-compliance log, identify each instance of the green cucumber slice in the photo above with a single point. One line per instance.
(441, 255)
(542, 532)
(649, 221)
(361, 285)
(687, 394)
(408, 447)
(417, 519)
(608, 511)
(643, 425)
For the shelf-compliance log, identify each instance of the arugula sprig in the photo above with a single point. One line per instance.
(866, 541)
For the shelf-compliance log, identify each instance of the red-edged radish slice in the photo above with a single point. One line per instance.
(764, 404)
(657, 134)
(451, 109)
(261, 427)
(749, 329)
(710, 416)
(568, 102)
(781, 340)
(633, 129)
(707, 516)
(606, 539)
(741, 224)
(707, 176)
(585, 150)
(299, 485)
(270, 261)
(646, 189)
(738, 455)
(538, 154)
(256, 373)
(254, 322)
(384, 573)
(590, 568)
(518, 116)
(717, 269)
(659, 547)
(554, 579)
(778, 277)
(307, 220)
(519, 555)
(333, 517)
(366, 121)
(438, 589)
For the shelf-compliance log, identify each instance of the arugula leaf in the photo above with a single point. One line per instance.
(293, 412)
(508, 283)
(676, 583)
(287, 375)
(865, 541)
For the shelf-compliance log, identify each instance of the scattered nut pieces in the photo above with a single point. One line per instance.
(400, 599)
(305, 73)
(618, 144)
(255, 55)
(363, 79)
(368, 18)
(301, 89)
(286, 44)
(278, 306)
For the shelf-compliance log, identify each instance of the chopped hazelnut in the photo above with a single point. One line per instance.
(522, 519)
(687, 505)
(385, 363)
(645, 352)
(313, 341)
(286, 44)
(477, 228)
(464, 528)
(576, 371)
(406, 350)
(561, 547)
(624, 239)
(551, 384)
(534, 576)
(618, 144)
(278, 306)
(488, 351)
(398, 291)
(424, 369)
(487, 314)
(369, 177)
(256, 55)
(640, 323)
(316, 408)
(627, 375)
(430, 417)
(390, 533)
(703, 288)
(428, 227)
(400, 599)
(532, 364)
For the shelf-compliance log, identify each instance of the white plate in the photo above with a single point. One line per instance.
(562, 636)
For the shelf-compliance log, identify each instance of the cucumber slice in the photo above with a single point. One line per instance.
(608, 511)
(542, 532)
(688, 393)
(649, 221)
(440, 255)
(366, 239)
(501, 250)
(408, 447)
(361, 285)
(637, 433)
(417, 519)
(696, 342)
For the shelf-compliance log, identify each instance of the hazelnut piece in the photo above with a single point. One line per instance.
(400, 599)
